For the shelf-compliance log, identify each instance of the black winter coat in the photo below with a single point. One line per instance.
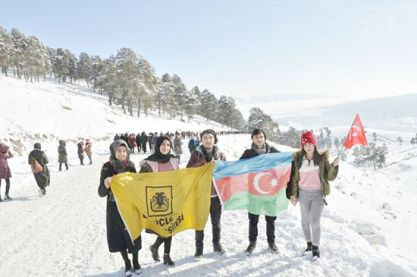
(118, 238)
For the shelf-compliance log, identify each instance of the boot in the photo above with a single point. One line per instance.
(167, 260)
(217, 248)
(198, 252)
(308, 249)
(7, 197)
(136, 267)
(155, 254)
(272, 246)
(128, 268)
(316, 252)
(251, 247)
(0, 199)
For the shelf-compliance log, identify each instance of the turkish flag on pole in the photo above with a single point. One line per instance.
(356, 134)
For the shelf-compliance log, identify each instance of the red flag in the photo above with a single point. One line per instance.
(356, 134)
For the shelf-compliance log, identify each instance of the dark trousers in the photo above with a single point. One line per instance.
(60, 165)
(42, 180)
(167, 243)
(253, 227)
(215, 215)
(7, 186)
(135, 258)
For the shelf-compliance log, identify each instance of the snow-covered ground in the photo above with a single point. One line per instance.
(368, 228)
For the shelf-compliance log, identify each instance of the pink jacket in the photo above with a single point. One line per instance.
(4, 166)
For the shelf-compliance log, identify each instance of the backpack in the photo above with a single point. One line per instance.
(36, 166)
(193, 144)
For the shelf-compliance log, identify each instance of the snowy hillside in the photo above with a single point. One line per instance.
(368, 228)
(52, 109)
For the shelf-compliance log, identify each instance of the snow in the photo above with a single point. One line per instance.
(52, 109)
(368, 228)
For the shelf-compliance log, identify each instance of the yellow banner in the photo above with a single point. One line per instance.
(166, 202)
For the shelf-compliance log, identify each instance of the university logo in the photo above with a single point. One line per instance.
(159, 200)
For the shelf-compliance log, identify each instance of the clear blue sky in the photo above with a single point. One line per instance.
(239, 47)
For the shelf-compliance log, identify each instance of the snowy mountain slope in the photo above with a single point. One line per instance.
(52, 109)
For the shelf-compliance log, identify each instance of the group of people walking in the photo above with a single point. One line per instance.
(308, 185)
(38, 162)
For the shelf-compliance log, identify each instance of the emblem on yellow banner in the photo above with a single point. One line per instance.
(159, 201)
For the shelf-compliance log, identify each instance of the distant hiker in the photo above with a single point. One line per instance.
(132, 142)
(118, 238)
(178, 144)
(203, 154)
(151, 142)
(309, 185)
(193, 143)
(62, 155)
(5, 172)
(80, 151)
(138, 142)
(162, 160)
(88, 149)
(144, 140)
(260, 147)
(38, 160)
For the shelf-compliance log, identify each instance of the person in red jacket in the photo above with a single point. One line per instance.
(203, 154)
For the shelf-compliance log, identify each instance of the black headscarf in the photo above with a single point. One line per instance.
(158, 156)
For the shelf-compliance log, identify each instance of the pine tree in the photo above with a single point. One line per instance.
(85, 68)
(128, 77)
(6, 45)
(17, 52)
(147, 85)
(258, 119)
(399, 140)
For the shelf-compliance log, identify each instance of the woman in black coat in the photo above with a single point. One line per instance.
(118, 238)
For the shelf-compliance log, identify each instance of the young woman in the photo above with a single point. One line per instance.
(5, 172)
(117, 236)
(161, 160)
(309, 186)
(260, 147)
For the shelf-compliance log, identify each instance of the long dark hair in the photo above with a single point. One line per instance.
(317, 157)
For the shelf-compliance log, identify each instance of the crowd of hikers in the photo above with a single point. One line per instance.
(311, 172)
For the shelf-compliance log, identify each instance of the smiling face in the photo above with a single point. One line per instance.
(208, 141)
(121, 153)
(259, 140)
(165, 147)
(309, 149)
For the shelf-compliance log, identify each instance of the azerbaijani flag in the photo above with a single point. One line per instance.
(257, 184)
